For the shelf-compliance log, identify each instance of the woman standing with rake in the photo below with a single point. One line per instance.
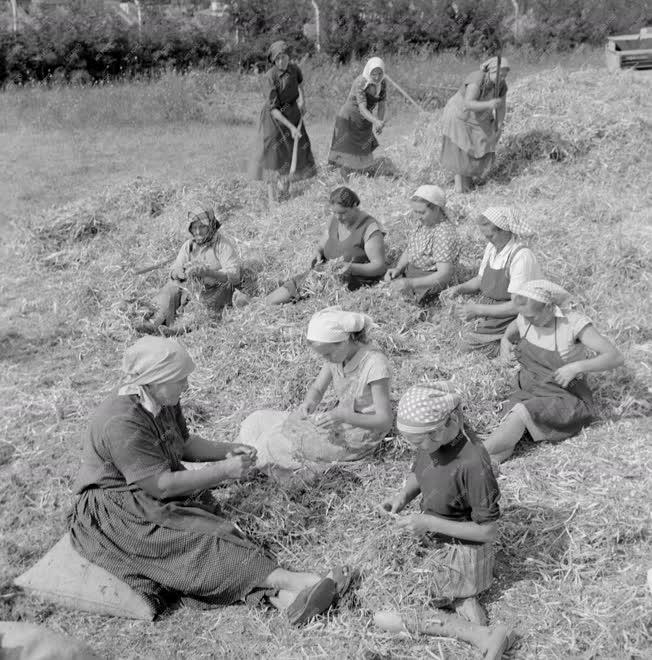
(280, 125)
(472, 123)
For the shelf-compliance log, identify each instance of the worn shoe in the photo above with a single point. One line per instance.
(471, 610)
(312, 601)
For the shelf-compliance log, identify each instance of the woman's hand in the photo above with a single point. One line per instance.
(417, 524)
(178, 274)
(196, 271)
(394, 504)
(295, 132)
(566, 374)
(237, 466)
(495, 104)
(402, 285)
(239, 449)
(317, 258)
(392, 274)
(448, 294)
(467, 312)
(332, 418)
(306, 408)
(379, 124)
(507, 354)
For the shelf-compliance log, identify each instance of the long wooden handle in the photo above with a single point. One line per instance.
(405, 94)
(295, 149)
(160, 264)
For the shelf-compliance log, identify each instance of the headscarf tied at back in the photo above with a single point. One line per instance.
(153, 360)
(373, 63)
(491, 65)
(427, 407)
(332, 325)
(544, 291)
(506, 218)
(276, 49)
(204, 214)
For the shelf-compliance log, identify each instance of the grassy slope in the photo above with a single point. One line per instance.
(574, 539)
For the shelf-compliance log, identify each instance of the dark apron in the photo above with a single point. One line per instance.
(556, 411)
(422, 296)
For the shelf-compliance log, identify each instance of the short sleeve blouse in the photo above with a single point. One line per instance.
(562, 336)
(428, 246)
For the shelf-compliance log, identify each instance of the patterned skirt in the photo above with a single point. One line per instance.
(459, 570)
(167, 550)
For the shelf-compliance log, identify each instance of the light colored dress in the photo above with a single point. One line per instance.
(283, 439)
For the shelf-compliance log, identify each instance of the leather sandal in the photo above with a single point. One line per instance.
(312, 601)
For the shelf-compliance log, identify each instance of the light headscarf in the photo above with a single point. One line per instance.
(204, 214)
(433, 194)
(153, 360)
(427, 407)
(491, 65)
(506, 218)
(332, 325)
(276, 49)
(544, 291)
(373, 63)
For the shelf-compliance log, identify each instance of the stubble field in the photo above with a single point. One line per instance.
(94, 185)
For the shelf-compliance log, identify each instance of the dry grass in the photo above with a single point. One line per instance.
(574, 542)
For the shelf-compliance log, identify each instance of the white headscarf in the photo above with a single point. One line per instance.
(332, 325)
(373, 63)
(153, 360)
(544, 291)
(491, 64)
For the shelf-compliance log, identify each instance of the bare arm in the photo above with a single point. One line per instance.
(381, 418)
(467, 530)
(381, 110)
(470, 286)
(439, 278)
(278, 115)
(316, 391)
(375, 251)
(401, 265)
(201, 450)
(499, 310)
(471, 102)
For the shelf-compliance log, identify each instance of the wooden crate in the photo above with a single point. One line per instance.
(630, 51)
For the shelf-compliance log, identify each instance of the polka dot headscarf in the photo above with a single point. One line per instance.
(426, 407)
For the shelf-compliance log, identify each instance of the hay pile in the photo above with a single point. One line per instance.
(573, 526)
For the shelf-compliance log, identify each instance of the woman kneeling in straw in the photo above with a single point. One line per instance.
(460, 496)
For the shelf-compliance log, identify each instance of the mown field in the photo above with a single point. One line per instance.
(94, 185)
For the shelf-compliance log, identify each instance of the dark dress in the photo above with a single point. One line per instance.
(351, 249)
(554, 412)
(353, 140)
(179, 547)
(469, 137)
(273, 154)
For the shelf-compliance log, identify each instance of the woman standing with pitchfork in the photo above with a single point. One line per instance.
(280, 125)
(472, 123)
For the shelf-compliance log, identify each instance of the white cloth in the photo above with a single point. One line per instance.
(332, 325)
(433, 194)
(523, 267)
(544, 291)
(373, 63)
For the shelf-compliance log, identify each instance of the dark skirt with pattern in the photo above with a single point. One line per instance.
(460, 162)
(168, 550)
(353, 140)
(487, 331)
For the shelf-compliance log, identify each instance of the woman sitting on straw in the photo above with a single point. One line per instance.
(552, 400)
(472, 123)
(353, 140)
(460, 496)
(280, 125)
(353, 236)
(360, 375)
(428, 262)
(506, 265)
(209, 260)
(142, 516)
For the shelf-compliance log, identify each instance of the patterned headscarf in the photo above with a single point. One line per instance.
(204, 214)
(544, 291)
(332, 325)
(506, 218)
(491, 65)
(427, 407)
(373, 63)
(276, 49)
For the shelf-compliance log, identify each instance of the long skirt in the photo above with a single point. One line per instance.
(162, 549)
(549, 411)
(458, 570)
(273, 148)
(353, 140)
(463, 163)
(173, 297)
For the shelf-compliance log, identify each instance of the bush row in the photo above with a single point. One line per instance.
(87, 42)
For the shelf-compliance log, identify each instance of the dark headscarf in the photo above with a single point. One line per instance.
(204, 214)
(276, 49)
